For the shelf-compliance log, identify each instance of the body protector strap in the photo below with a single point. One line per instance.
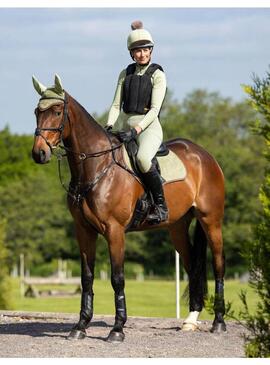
(137, 90)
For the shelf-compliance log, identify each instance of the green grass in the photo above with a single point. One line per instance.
(151, 298)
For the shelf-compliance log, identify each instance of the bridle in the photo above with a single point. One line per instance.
(59, 129)
(75, 190)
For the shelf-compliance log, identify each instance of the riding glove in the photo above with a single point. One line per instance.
(108, 128)
(127, 136)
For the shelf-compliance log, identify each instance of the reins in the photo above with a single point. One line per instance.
(84, 156)
(79, 194)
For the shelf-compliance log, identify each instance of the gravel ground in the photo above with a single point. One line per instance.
(25, 334)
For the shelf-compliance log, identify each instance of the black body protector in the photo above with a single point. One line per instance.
(137, 89)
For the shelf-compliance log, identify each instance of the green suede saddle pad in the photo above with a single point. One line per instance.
(171, 167)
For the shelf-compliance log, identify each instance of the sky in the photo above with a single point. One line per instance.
(216, 49)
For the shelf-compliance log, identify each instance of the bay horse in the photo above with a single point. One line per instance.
(106, 196)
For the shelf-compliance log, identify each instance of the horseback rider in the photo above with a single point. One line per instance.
(138, 98)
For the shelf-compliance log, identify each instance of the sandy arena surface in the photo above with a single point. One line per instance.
(27, 334)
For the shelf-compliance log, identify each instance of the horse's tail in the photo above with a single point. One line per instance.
(198, 274)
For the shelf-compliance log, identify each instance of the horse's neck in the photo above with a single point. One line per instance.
(86, 136)
(85, 133)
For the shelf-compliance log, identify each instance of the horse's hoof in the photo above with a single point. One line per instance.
(76, 335)
(189, 327)
(219, 327)
(116, 337)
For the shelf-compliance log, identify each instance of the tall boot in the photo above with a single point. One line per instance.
(153, 183)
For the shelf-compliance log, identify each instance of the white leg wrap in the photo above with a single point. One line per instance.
(191, 323)
(192, 317)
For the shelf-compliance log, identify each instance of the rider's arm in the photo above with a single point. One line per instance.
(158, 95)
(117, 101)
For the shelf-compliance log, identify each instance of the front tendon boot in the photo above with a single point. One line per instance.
(153, 182)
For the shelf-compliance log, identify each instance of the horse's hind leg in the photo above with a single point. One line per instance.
(179, 233)
(116, 241)
(213, 230)
(86, 237)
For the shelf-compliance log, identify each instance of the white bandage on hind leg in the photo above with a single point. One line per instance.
(192, 318)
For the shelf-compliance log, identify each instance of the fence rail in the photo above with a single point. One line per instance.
(51, 280)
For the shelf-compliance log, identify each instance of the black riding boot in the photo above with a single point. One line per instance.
(153, 183)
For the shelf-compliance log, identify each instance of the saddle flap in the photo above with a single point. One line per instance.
(170, 165)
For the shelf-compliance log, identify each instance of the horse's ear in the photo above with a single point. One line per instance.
(58, 85)
(38, 86)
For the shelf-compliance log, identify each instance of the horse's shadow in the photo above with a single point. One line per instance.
(43, 329)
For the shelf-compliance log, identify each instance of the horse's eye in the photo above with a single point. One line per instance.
(57, 114)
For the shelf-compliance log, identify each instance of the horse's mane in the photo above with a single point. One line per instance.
(87, 115)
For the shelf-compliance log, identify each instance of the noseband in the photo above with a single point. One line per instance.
(60, 129)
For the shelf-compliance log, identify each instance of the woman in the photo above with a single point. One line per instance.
(138, 98)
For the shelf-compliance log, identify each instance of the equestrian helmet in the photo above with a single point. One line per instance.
(139, 37)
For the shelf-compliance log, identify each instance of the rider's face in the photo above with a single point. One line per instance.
(142, 55)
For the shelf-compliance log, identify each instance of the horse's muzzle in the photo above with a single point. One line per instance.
(41, 156)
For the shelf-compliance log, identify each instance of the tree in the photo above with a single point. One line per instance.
(38, 219)
(5, 292)
(33, 204)
(258, 341)
(15, 156)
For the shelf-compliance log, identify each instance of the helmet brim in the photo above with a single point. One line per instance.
(141, 44)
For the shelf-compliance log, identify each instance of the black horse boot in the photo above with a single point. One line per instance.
(153, 183)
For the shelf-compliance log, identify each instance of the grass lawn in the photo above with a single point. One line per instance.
(150, 298)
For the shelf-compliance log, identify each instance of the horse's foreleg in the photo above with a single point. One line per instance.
(116, 242)
(87, 241)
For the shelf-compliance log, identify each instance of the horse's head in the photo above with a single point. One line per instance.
(51, 114)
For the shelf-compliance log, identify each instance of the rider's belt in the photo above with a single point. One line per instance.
(137, 89)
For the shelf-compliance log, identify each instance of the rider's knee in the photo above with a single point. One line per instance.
(143, 162)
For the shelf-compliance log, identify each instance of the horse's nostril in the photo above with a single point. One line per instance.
(42, 154)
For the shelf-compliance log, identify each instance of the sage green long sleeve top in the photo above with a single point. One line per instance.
(126, 121)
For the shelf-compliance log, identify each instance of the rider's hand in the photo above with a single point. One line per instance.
(127, 136)
(138, 129)
(108, 128)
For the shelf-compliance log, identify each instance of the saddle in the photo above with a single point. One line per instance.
(169, 167)
(132, 150)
